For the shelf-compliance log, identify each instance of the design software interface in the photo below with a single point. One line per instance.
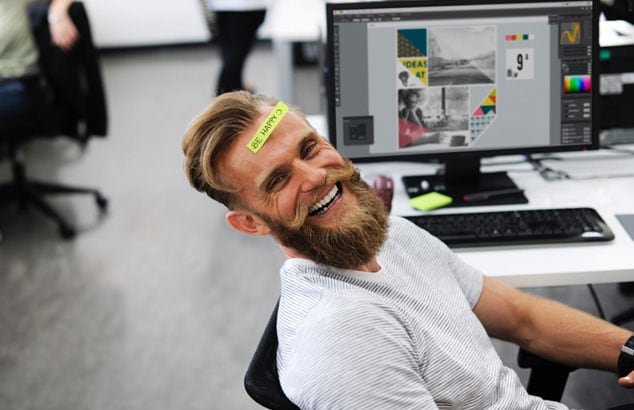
(485, 77)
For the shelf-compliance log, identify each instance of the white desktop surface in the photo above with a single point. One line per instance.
(603, 180)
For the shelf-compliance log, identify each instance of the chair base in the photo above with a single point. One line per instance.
(31, 193)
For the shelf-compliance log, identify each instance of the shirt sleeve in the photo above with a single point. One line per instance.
(469, 279)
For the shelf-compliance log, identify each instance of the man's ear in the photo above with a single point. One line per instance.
(246, 222)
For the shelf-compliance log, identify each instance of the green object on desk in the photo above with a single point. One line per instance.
(432, 200)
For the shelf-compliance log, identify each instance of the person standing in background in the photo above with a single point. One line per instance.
(18, 52)
(236, 26)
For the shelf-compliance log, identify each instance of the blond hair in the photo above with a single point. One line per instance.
(210, 135)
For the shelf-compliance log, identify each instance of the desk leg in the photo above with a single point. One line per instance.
(286, 80)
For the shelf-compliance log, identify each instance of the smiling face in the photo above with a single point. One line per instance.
(299, 189)
(287, 176)
(412, 100)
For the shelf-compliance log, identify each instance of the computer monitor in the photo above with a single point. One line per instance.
(459, 80)
(616, 70)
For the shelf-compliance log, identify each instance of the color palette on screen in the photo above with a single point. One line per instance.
(577, 84)
(519, 37)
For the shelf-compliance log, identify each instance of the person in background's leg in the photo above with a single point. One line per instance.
(237, 23)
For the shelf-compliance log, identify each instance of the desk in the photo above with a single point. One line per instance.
(545, 265)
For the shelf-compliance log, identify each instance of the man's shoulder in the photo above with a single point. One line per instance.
(333, 304)
(338, 316)
(341, 305)
(349, 334)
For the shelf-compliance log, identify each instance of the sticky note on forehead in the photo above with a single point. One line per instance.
(267, 127)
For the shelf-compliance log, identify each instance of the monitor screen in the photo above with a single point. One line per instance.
(616, 86)
(458, 80)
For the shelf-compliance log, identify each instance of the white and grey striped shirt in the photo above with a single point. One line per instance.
(402, 338)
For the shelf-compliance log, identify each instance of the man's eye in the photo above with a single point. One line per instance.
(276, 182)
(308, 149)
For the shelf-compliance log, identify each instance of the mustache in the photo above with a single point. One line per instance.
(347, 173)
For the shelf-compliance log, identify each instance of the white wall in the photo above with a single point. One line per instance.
(127, 23)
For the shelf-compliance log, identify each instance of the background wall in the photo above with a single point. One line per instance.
(131, 23)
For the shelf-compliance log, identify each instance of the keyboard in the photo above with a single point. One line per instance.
(501, 228)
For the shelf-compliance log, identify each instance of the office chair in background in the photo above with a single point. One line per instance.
(71, 103)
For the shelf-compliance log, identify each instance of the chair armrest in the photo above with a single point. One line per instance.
(547, 379)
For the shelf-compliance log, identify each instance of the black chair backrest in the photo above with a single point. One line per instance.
(74, 81)
(261, 380)
(547, 379)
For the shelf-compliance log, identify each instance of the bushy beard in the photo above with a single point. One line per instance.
(359, 233)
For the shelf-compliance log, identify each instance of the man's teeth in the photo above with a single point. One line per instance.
(323, 205)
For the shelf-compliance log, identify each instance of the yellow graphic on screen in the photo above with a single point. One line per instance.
(570, 33)
(416, 66)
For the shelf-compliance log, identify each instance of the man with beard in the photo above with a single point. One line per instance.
(374, 312)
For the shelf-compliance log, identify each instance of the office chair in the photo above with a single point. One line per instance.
(547, 379)
(261, 379)
(70, 102)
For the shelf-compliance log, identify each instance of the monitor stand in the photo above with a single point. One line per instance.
(462, 177)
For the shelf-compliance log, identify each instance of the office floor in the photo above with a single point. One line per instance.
(158, 304)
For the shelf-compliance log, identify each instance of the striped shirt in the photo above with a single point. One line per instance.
(402, 338)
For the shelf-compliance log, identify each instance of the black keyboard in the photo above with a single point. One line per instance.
(532, 226)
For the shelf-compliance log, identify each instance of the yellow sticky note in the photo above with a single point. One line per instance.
(430, 201)
(267, 127)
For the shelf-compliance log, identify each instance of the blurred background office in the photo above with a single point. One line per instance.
(157, 303)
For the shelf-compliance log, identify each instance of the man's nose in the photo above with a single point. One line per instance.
(311, 176)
